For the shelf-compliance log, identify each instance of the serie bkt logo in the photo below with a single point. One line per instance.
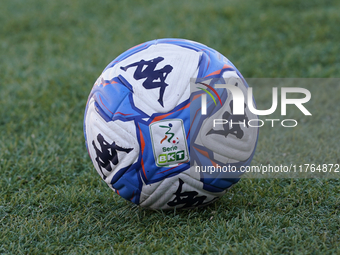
(169, 142)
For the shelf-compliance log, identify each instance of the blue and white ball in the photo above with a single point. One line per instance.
(139, 133)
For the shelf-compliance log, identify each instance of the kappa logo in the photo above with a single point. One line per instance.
(107, 154)
(154, 78)
(187, 198)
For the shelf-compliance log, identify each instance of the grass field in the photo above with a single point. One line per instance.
(51, 199)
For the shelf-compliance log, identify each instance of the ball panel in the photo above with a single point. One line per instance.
(154, 79)
(234, 141)
(180, 191)
(111, 145)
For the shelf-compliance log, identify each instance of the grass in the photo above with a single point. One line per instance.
(51, 199)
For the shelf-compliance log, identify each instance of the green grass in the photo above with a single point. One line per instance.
(52, 200)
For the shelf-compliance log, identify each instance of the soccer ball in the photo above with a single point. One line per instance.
(147, 136)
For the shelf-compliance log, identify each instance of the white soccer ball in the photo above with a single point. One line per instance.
(146, 134)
